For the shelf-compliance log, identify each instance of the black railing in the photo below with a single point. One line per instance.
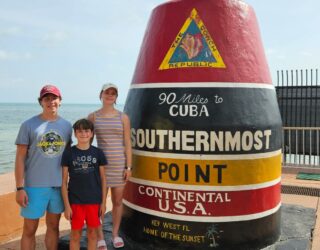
(298, 93)
(301, 146)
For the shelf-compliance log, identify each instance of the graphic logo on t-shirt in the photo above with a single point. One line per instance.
(84, 163)
(51, 144)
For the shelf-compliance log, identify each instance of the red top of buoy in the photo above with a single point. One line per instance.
(202, 41)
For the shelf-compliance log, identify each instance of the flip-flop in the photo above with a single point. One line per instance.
(101, 245)
(117, 242)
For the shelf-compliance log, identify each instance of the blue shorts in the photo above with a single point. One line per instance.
(42, 199)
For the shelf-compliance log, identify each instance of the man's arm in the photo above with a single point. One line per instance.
(64, 192)
(21, 154)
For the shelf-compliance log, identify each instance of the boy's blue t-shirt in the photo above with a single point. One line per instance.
(84, 185)
(46, 141)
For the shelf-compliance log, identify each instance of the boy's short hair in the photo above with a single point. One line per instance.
(83, 124)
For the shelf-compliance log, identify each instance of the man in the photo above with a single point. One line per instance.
(40, 143)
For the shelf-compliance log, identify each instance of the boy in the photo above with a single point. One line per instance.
(40, 144)
(84, 195)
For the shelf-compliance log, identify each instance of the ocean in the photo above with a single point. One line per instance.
(13, 114)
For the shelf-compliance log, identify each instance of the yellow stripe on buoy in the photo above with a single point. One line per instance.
(207, 172)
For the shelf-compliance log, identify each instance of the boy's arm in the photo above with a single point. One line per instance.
(64, 192)
(104, 190)
(21, 154)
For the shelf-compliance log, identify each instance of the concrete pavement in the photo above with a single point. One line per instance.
(11, 242)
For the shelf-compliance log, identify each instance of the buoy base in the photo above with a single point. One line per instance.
(295, 233)
(163, 233)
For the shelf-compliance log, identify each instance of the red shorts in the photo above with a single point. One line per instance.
(85, 212)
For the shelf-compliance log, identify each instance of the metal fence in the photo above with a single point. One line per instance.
(298, 94)
(302, 146)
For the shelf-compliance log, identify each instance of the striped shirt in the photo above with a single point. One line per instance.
(110, 138)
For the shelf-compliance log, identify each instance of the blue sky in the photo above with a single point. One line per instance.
(80, 44)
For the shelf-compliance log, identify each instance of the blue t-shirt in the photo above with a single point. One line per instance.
(46, 142)
(84, 185)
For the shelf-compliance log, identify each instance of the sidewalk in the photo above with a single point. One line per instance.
(13, 244)
(288, 178)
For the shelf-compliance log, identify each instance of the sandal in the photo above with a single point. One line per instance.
(101, 245)
(117, 242)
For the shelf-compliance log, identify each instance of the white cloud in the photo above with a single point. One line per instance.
(281, 57)
(27, 55)
(4, 55)
(54, 38)
(10, 31)
(270, 51)
(306, 53)
(274, 55)
(11, 56)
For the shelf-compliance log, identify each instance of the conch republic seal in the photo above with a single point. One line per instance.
(206, 132)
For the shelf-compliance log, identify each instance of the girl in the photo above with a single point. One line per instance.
(112, 129)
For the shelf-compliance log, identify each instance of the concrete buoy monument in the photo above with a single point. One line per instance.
(206, 132)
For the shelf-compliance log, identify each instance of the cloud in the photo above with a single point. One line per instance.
(306, 53)
(273, 53)
(55, 38)
(11, 56)
(270, 51)
(10, 31)
(281, 57)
